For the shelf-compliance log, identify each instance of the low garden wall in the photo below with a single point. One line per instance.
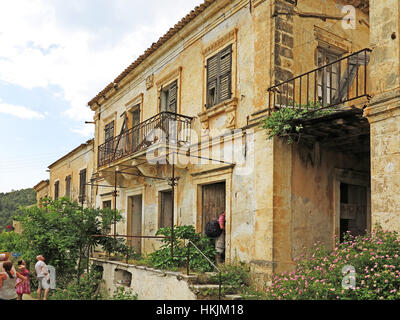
(147, 283)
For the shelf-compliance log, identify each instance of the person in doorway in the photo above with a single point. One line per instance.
(43, 277)
(8, 281)
(23, 288)
(220, 241)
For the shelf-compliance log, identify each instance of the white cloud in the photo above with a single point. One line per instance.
(79, 46)
(20, 111)
(86, 130)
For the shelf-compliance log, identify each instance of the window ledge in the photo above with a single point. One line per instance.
(228, 107)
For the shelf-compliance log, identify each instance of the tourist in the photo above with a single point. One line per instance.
(8, 282)
(3, 257)
(23, 288)
(220, 241)
(43, 278)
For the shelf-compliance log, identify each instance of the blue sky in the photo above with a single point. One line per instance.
(57, 55)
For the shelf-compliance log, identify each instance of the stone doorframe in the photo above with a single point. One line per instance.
(353, 177)
(215, 175)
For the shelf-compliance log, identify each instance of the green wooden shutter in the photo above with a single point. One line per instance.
(172, 97)
(219, 77)
(212, 77)
(225, 68)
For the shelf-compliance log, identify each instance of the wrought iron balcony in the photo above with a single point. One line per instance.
(328, 86)
(165, 127)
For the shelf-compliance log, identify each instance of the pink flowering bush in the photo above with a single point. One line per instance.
(360, 268)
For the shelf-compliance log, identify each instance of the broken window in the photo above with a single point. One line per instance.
(328, 76)
(219, 73)
(109, 138)
(107, 204)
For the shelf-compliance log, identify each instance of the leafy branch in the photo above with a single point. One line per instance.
(284, 121)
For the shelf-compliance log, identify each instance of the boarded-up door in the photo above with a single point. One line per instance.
(136, 221)
(353, 209)
(165, 209)
(213, 202)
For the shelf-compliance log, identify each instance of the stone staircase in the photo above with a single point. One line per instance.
(205, 286)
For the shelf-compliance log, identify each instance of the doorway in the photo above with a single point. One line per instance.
(213, 202)
(165, 205)
(135, 221)
(353, 209)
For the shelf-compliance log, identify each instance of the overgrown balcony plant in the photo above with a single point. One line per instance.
(285, 122)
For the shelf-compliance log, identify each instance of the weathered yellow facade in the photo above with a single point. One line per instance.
(42, 190)
(279, 198)
(65, 173)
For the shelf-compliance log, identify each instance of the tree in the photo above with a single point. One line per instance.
(64, 233)
(11, 201)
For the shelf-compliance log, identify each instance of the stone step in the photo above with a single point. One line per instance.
(233, 297)
(211, 292)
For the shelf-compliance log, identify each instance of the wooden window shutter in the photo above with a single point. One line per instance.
(172, 97)
(225, 74)
(56, 189)
(82, 185)
(68, 186)
(212, 78)
(219, 77)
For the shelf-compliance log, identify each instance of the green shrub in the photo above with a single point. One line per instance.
(235, 275)
(124, 294)
(322, 274)
(162, 258)
(86, 288)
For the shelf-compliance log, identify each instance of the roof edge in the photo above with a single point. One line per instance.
(156, 45)
(81, 146)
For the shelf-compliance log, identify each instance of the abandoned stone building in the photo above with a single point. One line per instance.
(178, 133)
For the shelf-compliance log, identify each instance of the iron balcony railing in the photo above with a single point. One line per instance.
(165, 127)
(330, 85)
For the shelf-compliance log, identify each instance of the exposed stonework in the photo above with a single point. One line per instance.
(384, 113)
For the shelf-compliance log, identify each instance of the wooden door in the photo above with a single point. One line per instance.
(213, 202)
(165, 209)
(136, 222)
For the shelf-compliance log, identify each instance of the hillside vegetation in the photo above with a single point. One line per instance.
(10, 202)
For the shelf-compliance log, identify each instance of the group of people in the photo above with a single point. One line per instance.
(14, 284)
